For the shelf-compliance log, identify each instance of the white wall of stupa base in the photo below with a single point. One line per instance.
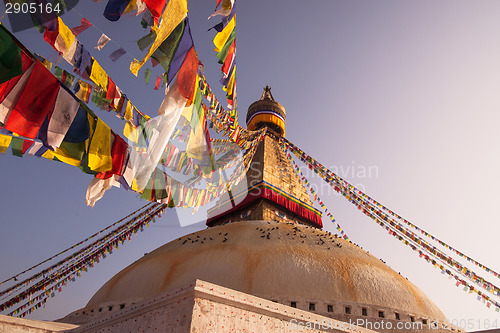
(207, 307)
(17, 325)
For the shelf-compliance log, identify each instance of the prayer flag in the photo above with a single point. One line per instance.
(84, 25)
(185, 44)
(103, 40)
(173, 14)
(155, 7)
(172, 52)
(98, 75)
(147, 40)
(66, 78)
(37, 149)
(65, 109)
(4, 143)
(35, 103)
(12, 91)
(83, 90)
(158, 82)
(82, 61)
(64, 37)
(187, 75)
(147, 75)
(221, 38)
(99, 154)
(229, 58)
(10, 56)
(17, 146)
(119, 156)
(115, 8)
(117, 54)
(222, 54)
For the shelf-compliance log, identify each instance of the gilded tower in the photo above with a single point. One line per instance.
(273, 191)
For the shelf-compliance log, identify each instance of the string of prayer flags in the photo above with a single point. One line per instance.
(66, 78)
(83, 91)
(84, 25)
(372, 209)
(103, 40)
(37, 288)
(59, 36)
(173, 14)
(88, 68)
(225, 46)
(313, 192)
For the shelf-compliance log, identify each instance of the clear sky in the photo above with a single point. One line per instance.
(401, 97)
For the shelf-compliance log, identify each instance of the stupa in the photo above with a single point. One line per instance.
(264, 264)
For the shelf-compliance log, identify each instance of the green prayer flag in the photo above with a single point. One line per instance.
(147, 75)
(17, 146)
(10, 56)
(223, 52)
(147, 40)
(166, 51)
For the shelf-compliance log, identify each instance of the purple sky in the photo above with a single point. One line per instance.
(401, 97)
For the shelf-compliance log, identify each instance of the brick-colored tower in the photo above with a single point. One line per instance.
(273, 191)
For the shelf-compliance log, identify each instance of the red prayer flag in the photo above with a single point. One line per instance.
(51, 32)
(158, 82)
(36, 102)
(119, 153)
(85, 24)
(155, 7)
(26, 145)
(7, 86)
(110, 94)
(229, 59)
(186, 80)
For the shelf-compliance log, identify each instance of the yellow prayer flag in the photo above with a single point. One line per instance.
(64, 39)
(129, 131)
(188, 113)
(221, 38)
(63, 156)
(47, 64)
(128, 111)
(197, 144)
(135, 187)
(4, 143)
(49, 154)
(230, 85)
(131, 7)
(98, 75)
(173, 14)
(99, 155)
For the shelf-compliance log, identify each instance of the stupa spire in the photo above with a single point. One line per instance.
(273, 190)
